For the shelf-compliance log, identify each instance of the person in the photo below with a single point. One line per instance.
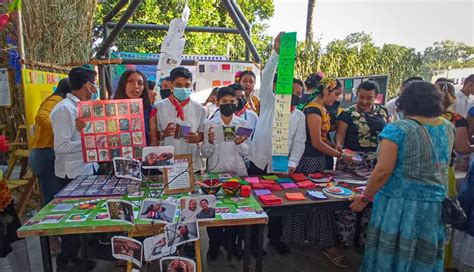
(69, 161)
(409, 184)
(298, 87)
(247, 80)
(210, 104)
(180, 266)
(463, 241)
(358, 127)
(189, 213)
(153, 159)
(179, 110)
(166, 88)
(183, 233)
(159, 246)
(133, 85)
(41, 159)
(242, 107)
(237, 77)
(225, 155)
(392, 104)
(463, 97)
(312, 82)
(206, 211)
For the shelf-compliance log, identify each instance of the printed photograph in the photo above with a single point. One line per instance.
(91, 155)
(113, 141)
(125, 248)
(177, 264)
(181, 233)
(136, 124)
(122, 109)
(134, 108)
(156, 157)
(101, 141)
(137, 138)
(125, 139)
(127, 168)
(104, 155)
(137, 151)
(88, 129)
(155, 247)
(157, 210)
(99, 126)
(89, 141)
(112, 125)
(120, 210)
(198, 207)
(115, 152)
(85, 111)
(127, 152)
(98, 110)
(124, 124)
(110, 109)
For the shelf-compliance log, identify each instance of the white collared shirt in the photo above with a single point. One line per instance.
(67, 140)
(194, 117)
(225, 156)
(392, 109)
(463, 103)
(261, 148)
(249, 115)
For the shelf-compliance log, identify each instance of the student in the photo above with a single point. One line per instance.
(151, 91)
(463, 97)
(166, 88)
(311, 82)
(247, 80)
(179, 110)
(261, 151)
(392, 104)
(210, 104)
(206, 211)
(41, 159)
(224, 156)
(69, 161)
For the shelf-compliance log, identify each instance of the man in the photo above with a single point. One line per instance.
(190, 212)
(463, 99)
(206, 211)
(261, 151)
(69, 161)
(392, 104)
(180, 119)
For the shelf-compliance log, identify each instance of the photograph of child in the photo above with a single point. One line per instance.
(154, 209)
(127, 168)
(198, 207)
(181, 233)
(125, 248)
(155, 247)
(177, 264)
(158, 157)
(120, 210)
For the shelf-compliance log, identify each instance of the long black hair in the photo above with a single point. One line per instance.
(121, 94)
(64, 87)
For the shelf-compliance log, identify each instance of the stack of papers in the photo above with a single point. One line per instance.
(273, 187)
(306, 184)
(262, 192)
(298, 177)
(257, 186)
(273, 177)
(294, 196)
(267, 181)
(289, 186)
(285, 180)
(316, 195)
(270, 200)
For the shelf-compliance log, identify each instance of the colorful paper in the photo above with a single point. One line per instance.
(289, 186)
(262, 192)
(295, 196)
(272, 177)
(252, 180)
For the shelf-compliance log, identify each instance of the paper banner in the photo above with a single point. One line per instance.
(284, 89)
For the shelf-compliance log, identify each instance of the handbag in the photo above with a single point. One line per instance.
(451, 213)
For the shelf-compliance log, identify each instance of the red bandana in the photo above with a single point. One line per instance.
(293, 108)
(242, 111)
(179, 106)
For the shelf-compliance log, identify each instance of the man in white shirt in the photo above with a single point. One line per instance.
(463, 96)
(69, 161)
(392, 104)
(261, 151)
(180, 119)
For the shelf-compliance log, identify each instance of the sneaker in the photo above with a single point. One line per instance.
(280, 247)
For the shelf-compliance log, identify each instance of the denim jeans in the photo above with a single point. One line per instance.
(41, 162)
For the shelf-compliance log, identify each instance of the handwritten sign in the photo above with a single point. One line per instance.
(284, 89)
(180, 178)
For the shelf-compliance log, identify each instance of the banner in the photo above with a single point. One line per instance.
(284, 89)
(37, 86)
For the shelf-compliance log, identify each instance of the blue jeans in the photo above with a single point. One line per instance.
(41, 162)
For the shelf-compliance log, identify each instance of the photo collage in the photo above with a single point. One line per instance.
(102, 185)
(113, 128)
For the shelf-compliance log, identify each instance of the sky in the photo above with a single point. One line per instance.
(417, 23)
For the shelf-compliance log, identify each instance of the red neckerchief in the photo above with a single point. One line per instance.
(179, 106)
(293, 108)
(242, 111)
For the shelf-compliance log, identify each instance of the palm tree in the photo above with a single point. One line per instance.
(310, 19)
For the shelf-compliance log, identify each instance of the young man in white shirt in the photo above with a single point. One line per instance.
(180, 119)
(463, 96)
(69, 161)
(224, 153)
(261, 151)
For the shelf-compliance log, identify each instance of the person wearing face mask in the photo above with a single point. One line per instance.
(166, 88)
(178, 114)
(69, 161)
(224, 154)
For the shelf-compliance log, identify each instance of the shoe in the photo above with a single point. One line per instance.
(280, 247)
(67, 264)
(212, 254)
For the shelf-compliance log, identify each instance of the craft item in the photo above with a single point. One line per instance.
(262, 192)
(245, 190)
(180, 178)
(355, 156)
(273, 187)
(94, 186)
(257, 186)
(270, 200)
(231, 187)
(252, 180)
(338, 192)
(298, 177)
(306, 184)
(316, 195)
(210, 186)
(270, 177)
(267, 181)
(284, 180)
(289, 186)
(351, 181)
(62, 207)
(295, 196)
(242, 131)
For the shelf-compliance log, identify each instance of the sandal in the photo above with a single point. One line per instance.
(339, 261)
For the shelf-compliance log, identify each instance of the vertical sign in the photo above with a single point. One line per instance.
(284, 89)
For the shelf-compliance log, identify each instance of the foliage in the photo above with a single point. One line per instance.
(447, 55)
(203, 13)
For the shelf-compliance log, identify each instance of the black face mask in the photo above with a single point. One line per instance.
(227, 109)
(165, 93)
(295, 100)
(241, 104)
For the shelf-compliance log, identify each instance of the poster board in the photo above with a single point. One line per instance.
(350, 84)
(114, 128)
(5, 88)
(37, 86)
(185, 181)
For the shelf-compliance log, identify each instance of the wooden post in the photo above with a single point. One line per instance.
(197, 247)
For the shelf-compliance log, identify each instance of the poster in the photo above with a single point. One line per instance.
(284, 90)
(38, 85)
(113, 128)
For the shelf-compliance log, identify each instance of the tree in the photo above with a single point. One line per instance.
(203, 13)
(309, 20)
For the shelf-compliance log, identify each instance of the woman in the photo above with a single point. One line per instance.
(409, 183)
(461, 145)
(312, 82)
(41, 159)
(247, 80)
(210, 104)
(358, 127)
(317, 228)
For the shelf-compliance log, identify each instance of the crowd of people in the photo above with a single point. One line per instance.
(409, 148)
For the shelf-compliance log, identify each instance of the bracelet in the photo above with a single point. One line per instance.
(367, 198)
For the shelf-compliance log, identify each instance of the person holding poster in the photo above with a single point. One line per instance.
(69, 161)
(180, 119)
(261, 151)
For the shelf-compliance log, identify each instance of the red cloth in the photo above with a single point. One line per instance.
(294, 196)
(179, 106)
(293, 108)
(270, 200)
(257, 186)
(298, 177)
(306, 184)
(273, 187)
(153, 112)
(317, 176)
(267, 181)
(242, 111)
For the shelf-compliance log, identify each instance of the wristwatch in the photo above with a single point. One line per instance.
(367, 199)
